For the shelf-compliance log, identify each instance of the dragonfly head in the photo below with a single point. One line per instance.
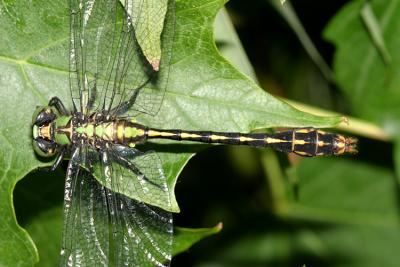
(344, 145)
(43, 131)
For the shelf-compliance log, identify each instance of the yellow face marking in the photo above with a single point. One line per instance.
(153, 133)
(45, 131)
(131, 145)
(218, 137)
(270, 140)
(189, 135)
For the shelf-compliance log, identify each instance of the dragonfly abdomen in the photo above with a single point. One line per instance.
(307, 142)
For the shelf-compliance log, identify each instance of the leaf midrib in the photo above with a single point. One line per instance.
(172, 93)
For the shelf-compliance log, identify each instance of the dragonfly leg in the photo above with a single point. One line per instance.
(58, 161)
(131, 166)
(58, 104)
(93, 94)
(124, 106)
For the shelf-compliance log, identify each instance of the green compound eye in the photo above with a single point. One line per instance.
(43, 115)
(44, 148)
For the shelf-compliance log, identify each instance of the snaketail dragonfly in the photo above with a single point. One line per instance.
(110, 83)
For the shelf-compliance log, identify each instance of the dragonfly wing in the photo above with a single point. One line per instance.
(85, 237)
(146, 95)
(139, 175)
(105, 228)
(142, 233)
(108, 71)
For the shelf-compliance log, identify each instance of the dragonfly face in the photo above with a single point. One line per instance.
(43, 131)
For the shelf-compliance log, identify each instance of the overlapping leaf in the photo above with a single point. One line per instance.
(205, 92)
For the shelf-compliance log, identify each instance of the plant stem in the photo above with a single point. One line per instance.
(349, 124)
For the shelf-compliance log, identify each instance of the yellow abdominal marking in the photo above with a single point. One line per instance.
(302, 153)
(321, 143)
(340, 145)
(303, 131)
(133, 132)
(299, 142)
(120, 131)
(270, 140)
(246, 139)
(152, 133)
(189, 135)
(218, 137)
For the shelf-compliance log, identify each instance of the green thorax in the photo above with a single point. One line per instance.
(61, 130)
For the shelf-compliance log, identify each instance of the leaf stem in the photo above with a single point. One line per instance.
(349, 124)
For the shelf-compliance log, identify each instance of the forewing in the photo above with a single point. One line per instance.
(147, 98)
(107, 68)
(85, 236)
(142, 232)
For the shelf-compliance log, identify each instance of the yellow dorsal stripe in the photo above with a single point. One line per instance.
(189, 135)
(153, 133)
(246, 139)
(270, 140)
(215, 137)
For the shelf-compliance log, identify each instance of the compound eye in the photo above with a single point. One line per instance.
(43, 115)
(44, 148)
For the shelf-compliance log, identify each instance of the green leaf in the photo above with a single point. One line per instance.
(148, 22)
(184, 238)
(358, 193)
(371, 23)
(286, 10)
(346, 214)
(205, 92)
(370, 85)
(46, 229)
(229, 44)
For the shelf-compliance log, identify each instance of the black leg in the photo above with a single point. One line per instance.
(58, 161)
(56, 102)
(124, 106)
(127, 164)
(93, 94)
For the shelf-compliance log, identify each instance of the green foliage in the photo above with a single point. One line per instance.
(370, 85)
(148, 21)
(344, 212)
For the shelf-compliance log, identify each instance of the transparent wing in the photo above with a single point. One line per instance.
(85, 237)
(104, 228)
(107, 68)
(142, 233)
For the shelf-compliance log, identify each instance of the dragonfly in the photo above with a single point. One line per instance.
(111, 83)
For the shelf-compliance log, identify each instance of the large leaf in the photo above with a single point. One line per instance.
(184, 238)
(346, 214)
(148, 21)
(205, 92)
(370, 84)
